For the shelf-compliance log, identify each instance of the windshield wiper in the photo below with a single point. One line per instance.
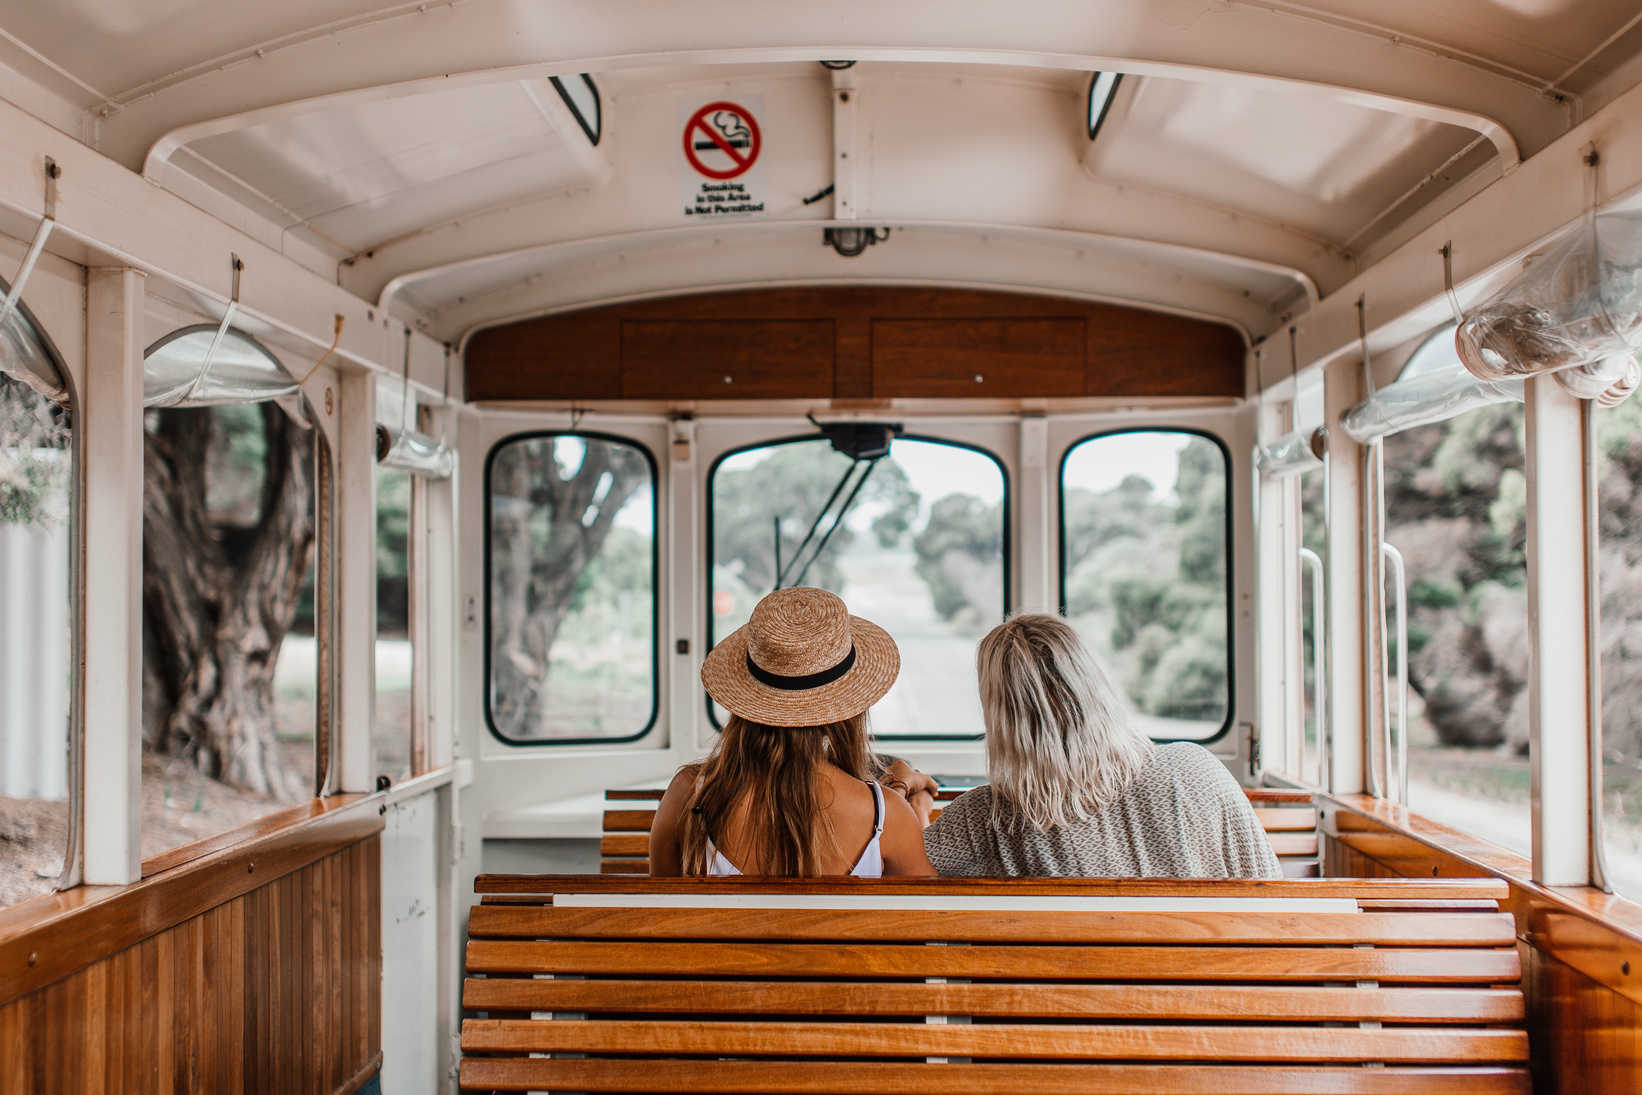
(865, 443)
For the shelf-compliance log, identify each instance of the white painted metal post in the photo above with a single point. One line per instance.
(686, 636)
(111, 608)
(441, 616)
(356, 583)
(1276, 611)
(1039, 530)
(1559, 751)
(1346, 595)
(844, 102)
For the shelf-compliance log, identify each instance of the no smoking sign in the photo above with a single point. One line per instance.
(722, 141)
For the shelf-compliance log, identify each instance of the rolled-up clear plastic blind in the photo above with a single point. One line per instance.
(1292, 454)
(1433, 387)
(24, 355)
(241, 370)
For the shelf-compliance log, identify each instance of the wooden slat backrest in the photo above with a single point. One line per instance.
(1289, 818)
(823, 985)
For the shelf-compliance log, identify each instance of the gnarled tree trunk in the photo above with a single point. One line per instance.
(215, 619)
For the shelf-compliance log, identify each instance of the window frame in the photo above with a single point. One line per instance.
(1006, 556)
(655, 586)
(73, 871)
(1231, 600)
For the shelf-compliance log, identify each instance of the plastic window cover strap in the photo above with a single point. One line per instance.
(1421, 400)
(241, 370)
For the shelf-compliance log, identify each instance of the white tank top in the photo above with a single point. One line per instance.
(870, 865)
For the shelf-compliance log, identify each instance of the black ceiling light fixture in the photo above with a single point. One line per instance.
(581, 95)
(1102, 89)
(850, 242)
(838, 66)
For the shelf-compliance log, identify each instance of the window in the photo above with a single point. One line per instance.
(36, 596)
(581, 95)
(230, 679)
(1102, 87)
(1619, 444)
(914, 542)
(571, 588)
(1144, 543)
(394, 513)
(1455, 509)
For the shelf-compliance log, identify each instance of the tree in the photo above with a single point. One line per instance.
(791, 485)
(956, 547)
(221, 578)
(33, 465)
(554, 502)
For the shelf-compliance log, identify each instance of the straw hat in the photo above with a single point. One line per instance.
(801, 660)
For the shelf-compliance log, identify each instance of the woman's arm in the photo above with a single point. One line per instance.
(912, 785)
(903, 841)
(666, 854)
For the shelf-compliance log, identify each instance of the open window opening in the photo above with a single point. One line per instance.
(913, 539)
(571, 582)
(231, 680)
(1145, 553)
(37, 526)
(1456, 497)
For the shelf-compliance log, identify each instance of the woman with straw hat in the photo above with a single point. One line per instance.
(788, 790)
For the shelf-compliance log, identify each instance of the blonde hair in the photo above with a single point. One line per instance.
(777, 772)
(1060, 743)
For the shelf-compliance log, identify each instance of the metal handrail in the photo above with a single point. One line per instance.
(1391, 555)
(1319, 678)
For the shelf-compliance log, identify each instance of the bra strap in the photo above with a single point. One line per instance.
(877, 807)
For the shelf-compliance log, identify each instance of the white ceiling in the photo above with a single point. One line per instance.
(1257, 154)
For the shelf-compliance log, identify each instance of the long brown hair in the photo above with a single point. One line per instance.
(776, 771)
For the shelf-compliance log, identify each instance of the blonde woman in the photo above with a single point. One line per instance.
(790, 787)
(1076, 790)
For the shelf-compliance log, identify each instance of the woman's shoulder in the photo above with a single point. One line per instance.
(1197, 767)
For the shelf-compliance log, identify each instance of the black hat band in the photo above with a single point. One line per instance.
(801, 684)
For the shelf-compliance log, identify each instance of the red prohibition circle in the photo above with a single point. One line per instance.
(698, 123)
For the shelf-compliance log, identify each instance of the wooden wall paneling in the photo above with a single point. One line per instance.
(275, 990)
(881, 342)
(1134, 352)
(727, 359)
(978, 358)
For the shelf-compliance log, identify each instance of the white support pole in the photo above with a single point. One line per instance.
(844, 102)
(1277, 587)
(111, 609)
(441, 617)
(1038, 532)
(355, 659)
(1346, 595)
(1559, 750)
(686, 637)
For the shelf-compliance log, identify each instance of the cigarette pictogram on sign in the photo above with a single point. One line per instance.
(722, 141)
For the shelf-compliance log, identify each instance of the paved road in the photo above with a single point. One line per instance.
(935, 693)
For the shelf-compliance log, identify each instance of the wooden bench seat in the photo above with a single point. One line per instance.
(607, 983)
(1289, 818)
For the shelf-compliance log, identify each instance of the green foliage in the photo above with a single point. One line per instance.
(393, 491)
(1435, 593)
(34, 463)
(791, 485)
(1146, 582)
(958, 524)
(237, 464)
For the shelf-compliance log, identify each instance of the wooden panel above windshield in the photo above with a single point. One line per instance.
(867, 342)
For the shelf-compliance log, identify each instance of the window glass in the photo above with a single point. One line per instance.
(572, 588)
(1144, 572)
(1456, 506)
(392, 740)
(1619, 443)
(36, 484)
(920, 552)
(228, 548)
